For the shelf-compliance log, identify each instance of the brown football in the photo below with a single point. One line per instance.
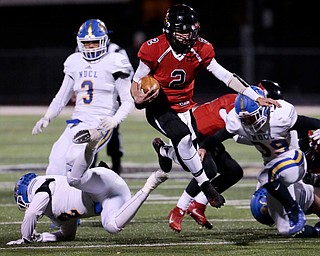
(148, 82)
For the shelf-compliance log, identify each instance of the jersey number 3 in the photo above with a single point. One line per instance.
(88, 85)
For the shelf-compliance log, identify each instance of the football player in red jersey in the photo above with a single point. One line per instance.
(174, 59)
(210, 117)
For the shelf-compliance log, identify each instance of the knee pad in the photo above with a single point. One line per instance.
(186, 148)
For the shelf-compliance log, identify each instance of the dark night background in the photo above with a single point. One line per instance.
(257, 39)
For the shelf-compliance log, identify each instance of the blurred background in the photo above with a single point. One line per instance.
(257, 39)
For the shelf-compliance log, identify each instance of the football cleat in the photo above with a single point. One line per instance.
(214, 198)
(297, 220)
(84, 136)
(175, 218)
(164, 162)
(154, 180)
(196, 211)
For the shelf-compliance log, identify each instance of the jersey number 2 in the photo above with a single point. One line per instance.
(179, 77)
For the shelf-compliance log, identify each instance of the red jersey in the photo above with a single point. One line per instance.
(207, 115)
(176, 73)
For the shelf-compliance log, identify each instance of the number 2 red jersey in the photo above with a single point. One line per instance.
(176, 73)
(207, 115)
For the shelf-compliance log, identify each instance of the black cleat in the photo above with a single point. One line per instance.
(214, 198)
(164, 162)
(91, 135)
(82, 136)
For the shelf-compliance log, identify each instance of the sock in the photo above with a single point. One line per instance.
(82, 163)
(201, 198)
(184, 201)
(129, 209)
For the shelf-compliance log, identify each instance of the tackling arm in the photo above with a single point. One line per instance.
(238, 84)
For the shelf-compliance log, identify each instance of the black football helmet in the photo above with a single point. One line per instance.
(181, 27)
(271, 89)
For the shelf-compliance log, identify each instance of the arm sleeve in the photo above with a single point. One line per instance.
(231, 80)
(61, 99)
(219, 72)
(141, 71)
(36, 209)
(127, 104)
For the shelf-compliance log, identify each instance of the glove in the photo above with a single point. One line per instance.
(42, 123)
(316, 136)
(19, 241)
(44, 237)
(108, 123)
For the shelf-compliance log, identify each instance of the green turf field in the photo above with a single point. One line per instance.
(235, 232)
(18, 146)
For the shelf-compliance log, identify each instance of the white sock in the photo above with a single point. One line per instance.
(82, 163)
(201, 178)
(184, 201)
(201, 198)
(129, 209)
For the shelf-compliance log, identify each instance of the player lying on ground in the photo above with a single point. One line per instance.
(267, 210)
(79, 195)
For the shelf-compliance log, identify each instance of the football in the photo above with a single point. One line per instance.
(148, 82)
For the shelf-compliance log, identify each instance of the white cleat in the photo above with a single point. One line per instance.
(154, 180)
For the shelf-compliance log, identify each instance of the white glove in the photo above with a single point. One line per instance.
(316, 135)
(19, 241)
(42, 123)
(44, 237)
(108, 123)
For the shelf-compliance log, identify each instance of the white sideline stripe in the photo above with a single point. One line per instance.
(164, 221)
(159, 199)
(149, 245)
(5, 185)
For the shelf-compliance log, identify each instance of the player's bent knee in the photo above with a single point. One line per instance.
(74, 182)
(111, 227)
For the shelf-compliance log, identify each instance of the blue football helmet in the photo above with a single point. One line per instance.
(259, 207)
(93, 30)
(21, 190)
(250, 113)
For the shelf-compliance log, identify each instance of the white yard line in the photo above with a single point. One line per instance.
(283, 241)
